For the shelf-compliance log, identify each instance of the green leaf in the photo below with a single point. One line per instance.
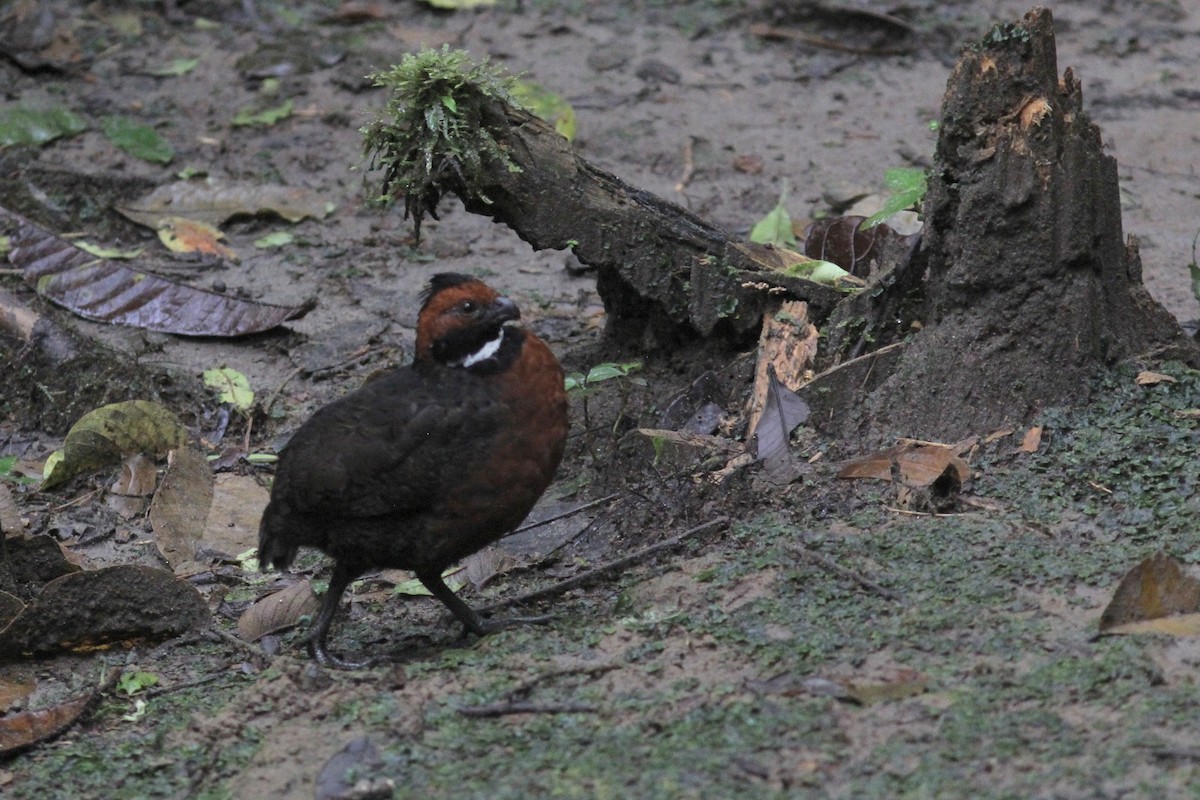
(817, 271)
(276, 239)
(449, 102)
(232, 387)
(139, 141)
(108, 252)
(908, 186)
(37, 126)
(776, 227)
(133, 682)
(248, 116)
(454, 577)
(180, 66)
(547, 105)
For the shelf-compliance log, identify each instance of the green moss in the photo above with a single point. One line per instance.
(431, 135)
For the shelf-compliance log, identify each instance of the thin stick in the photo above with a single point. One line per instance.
(567, 513)
(838, 569)
(275, 394)
(503, 709)
(612, 566)
(689, 166)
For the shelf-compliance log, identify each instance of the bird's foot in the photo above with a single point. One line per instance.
(319, 653)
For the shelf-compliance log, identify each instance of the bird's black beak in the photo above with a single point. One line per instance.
(502, 310)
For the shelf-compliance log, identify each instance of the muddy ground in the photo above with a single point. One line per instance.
(684, 675)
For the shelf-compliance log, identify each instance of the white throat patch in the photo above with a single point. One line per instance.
(489, 349)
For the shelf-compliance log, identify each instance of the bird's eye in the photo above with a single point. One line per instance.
(468, 307)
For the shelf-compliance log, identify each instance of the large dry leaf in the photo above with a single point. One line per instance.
(278, 611)
(114, 604)
(110, 291)
(782, 412)
(1155, 596)
(18, 731)
(232, 523)
(216, 203)
(848, 243)
(919, 464)
(181, 505)
(102, 436)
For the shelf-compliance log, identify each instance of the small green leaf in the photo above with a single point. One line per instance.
(187, 173)
(133, 682)
(776, 227)
(139, 711)
(449, 102)
(139, 141)
(232, 387)
(266, 117)
(276, 239)
(547, 105)
(37, 126)
(108, 252)
(908, 186)
(180, 66)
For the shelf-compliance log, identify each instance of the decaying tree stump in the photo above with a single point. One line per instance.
(1029, 287)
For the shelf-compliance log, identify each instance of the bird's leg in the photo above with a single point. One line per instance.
(467, 615)
(341, 578)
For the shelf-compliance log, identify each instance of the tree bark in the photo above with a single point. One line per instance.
(659, 267)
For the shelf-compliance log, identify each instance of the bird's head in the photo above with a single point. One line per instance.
(462, 319)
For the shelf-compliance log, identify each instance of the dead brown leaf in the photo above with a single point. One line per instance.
(231, 526)
(278, 611)
(18, 731)
(1148, 378)
(1032, 440)
(182, 235)
(919, 464)
(1151, 592)
(904, 684)
(181, 505)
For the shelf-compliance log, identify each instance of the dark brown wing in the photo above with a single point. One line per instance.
(390, 447)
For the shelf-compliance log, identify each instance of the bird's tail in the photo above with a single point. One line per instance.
(273, 548)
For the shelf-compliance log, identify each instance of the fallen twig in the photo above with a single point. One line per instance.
(612, 566)
(689, 166)
(503, 709)
(569, 512)
(838, 569)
